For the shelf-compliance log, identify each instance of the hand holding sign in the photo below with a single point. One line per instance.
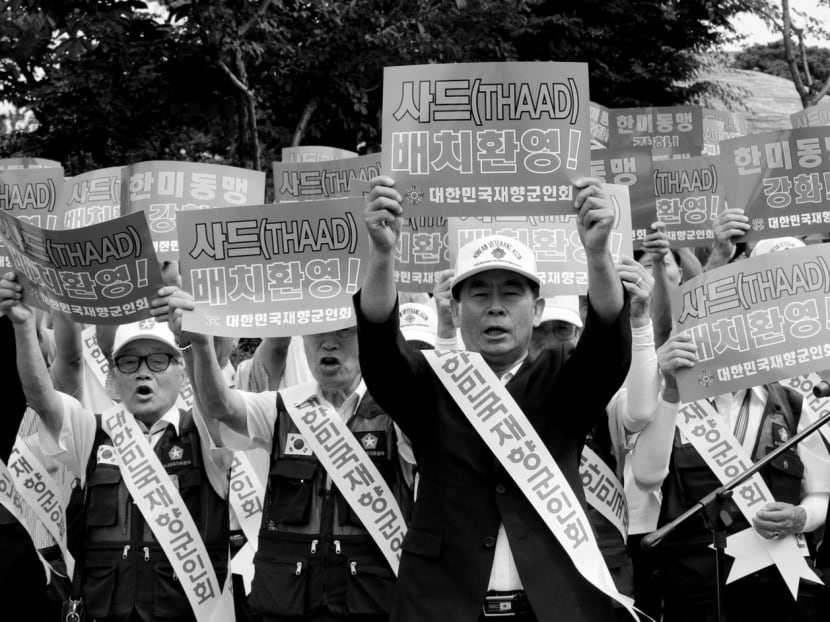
(730, 226)
(677, 353)
(383, 213)
(595, 217)
(11, 295)
(168, 306)
(443, 305)
(638, 282)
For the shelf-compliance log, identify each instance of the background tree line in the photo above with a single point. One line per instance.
(234, 81)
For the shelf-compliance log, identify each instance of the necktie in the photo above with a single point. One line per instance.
(743, 417)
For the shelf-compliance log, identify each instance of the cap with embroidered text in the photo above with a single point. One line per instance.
(145, 329)
(419, 322)
(494, 252)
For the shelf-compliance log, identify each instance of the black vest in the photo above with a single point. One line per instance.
(313, 550)
(690, 479)
(125, 568)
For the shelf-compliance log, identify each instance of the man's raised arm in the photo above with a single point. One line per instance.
(595, 219)
(383, 220)
(37, 384)
(216, 400)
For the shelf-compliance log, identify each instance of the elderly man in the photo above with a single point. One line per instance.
(476, 546)
(316, 560)
(126, 574)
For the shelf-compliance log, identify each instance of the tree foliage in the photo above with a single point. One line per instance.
(236, 80)
(770, 58)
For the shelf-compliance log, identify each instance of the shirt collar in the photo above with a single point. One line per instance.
(511, 373)
(172, 416)
(353, 399)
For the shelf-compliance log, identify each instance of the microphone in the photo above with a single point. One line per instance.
(821, 389)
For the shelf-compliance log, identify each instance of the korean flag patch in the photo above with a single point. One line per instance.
(106, 455)
(295, 445)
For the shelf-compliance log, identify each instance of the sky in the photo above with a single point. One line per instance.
(757, 31)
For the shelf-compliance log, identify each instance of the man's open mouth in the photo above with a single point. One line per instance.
(495, 331)
(144, 390)
(329, 361)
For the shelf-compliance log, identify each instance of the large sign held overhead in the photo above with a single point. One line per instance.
(485, 139)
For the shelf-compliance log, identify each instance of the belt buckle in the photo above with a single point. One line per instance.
(500, 604)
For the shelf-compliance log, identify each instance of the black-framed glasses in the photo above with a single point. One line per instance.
(156, 362)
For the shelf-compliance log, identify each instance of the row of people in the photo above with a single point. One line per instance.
(475, 545)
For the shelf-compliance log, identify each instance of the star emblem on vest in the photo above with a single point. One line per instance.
(370, 441)
(176, 453)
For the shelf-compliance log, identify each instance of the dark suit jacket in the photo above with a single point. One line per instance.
(14, 401)
(464, 494)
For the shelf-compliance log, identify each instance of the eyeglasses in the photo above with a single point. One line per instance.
(156, 362)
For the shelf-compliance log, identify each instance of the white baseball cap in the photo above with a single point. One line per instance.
(564, 308)
(494, 252)
(145, 329)
(419, 322)
(775, 245)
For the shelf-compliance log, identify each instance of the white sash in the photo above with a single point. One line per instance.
(350, 468)
(166, 514)
(603, 491)
(505, 429)
(41, 494)
(245, 497)
(93, 357)
(11, 500)
(709, 434)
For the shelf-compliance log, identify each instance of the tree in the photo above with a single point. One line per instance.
(236, 80)
(770, 58)
(796, 53)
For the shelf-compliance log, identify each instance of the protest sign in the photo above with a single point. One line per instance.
(32, 194)
(720, 125)
(314, 153)
(273, 270)
(484, 139)
(8, 164)
(599, 125)
(421, 254)
(630, 167)
(687, 199)
(163, 188)
(331, 179)
(560, 257)
(92, 197)
(103, 274)
(814, 116)
(671, 132)
(779, 179)
(756, 321)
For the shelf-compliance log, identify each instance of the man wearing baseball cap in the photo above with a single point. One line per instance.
(476, 546)
(125, 574)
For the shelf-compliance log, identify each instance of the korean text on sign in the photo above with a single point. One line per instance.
(781, 180)
(161, 189)
(756, 321)
(103, 274)
(670, 132)
(273, 270)
(486, 138)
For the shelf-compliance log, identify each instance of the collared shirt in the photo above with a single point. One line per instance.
(73, 446)
(504, 576)
(816, 476)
